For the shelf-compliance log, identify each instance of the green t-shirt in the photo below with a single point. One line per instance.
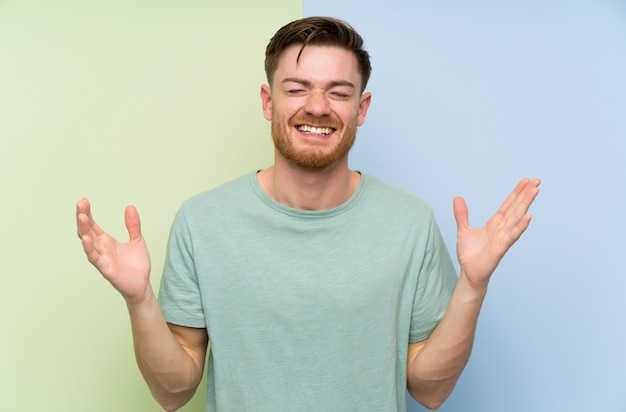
(306, 310)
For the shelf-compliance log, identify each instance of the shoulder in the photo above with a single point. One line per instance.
(392, 199)
(215, 204)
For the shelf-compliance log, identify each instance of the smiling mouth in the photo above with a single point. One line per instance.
(318, 131)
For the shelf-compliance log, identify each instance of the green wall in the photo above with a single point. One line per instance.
(124, 102)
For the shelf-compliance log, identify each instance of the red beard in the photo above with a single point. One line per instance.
(313, 158)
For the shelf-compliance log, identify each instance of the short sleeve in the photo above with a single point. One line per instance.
(179, 294)
(436, 282)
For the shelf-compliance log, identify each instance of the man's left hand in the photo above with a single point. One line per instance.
(480, 250)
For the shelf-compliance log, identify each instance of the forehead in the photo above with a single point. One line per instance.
(318, 64)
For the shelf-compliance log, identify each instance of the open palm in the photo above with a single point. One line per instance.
(125, 265)
(479, 250)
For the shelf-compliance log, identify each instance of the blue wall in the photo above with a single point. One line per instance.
(468, 97)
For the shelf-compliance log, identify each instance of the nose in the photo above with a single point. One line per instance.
(317, 103)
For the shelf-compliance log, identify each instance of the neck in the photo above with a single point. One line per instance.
(309, 190)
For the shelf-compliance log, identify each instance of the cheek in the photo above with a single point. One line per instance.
(280, 112)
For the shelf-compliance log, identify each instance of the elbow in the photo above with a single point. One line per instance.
(171, 390)
(172, 402)
(172, 395)
(432, 399)
(168, 406)
(433, 404)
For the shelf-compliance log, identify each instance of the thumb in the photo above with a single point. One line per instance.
(133, 224)
(461, 214)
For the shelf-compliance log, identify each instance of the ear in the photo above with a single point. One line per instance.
(366, 100)
(266, 101)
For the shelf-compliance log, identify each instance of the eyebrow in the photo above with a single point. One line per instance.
(306, 83)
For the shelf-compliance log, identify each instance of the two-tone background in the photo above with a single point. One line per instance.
(150, 102)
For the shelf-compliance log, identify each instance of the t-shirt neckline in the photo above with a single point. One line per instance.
(307, 214)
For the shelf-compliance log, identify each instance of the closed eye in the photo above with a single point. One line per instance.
(296, 92)
(340, 95)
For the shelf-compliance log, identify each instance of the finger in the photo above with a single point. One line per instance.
(518, 219)
(90, 250)
(515, 231)
(82, 209)
(95, 255)
(461, 214)
(519, 200)
(518, 206)
(522, 224)
(513, 197)
(84, 219)
(133, 223)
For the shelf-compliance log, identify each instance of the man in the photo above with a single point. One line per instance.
(320, 287)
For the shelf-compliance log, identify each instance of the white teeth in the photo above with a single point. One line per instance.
(315, 130)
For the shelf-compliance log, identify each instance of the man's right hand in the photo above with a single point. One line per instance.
(125, 265)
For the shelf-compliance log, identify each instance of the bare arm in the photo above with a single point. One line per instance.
(171, 358)
(435, 365)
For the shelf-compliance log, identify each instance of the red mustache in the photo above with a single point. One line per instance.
(323, 121)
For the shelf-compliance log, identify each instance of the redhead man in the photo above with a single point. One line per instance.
(320, 288)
